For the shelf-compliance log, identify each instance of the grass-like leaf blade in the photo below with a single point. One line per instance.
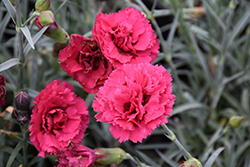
(11, 9)
(9, 63)
(27, 34)
(14, 154)
(35, 39)
(213, 157)
(4, 23)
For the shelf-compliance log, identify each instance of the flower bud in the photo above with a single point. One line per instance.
(192, 162)
(235, 121)
(14, 114)
(22, 101)
(110, 155)
(42, 5)
(46, 18)
(22, 119)
(54, 30)
(2, 90)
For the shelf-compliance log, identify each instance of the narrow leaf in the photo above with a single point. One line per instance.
(239, 26)
(147, 159)
(9, 150)
(166, 159)
(215, 15)
(213, 157)
(14, 154)
(11, 9)
(34, 160)
(9, 63)
(187, 106)
(4, 23)
(27, 34)
(35, 39)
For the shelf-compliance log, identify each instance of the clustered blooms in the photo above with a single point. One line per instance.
(133, 96)
(2, 90)
(84, 61)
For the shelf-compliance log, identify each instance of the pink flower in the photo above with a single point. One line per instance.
(79, 156)
(84, 61)
(126, 37)
(135, 100)
(59, 118)
(2, 90)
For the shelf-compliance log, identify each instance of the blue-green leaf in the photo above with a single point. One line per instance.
(27, 34)
(9, 63)
(14, 154)
(4, 23)
(188, 106)
(35, 39)
(11, 9)
(213, 157)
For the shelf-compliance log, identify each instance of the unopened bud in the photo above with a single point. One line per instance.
(54, 31)
(22, 101)
(110, 155)
(14, 114)
(2, 90)
(42, 5)
(46, 18)
(22, 119)
(235, 121)
(192, 162)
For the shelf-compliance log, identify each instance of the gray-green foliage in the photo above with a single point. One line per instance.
(208, 57)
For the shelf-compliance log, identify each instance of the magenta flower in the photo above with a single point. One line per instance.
(59, 117)
(84, 61)
(79, 155)
(2, 90)
(135, 100)
(126, 37)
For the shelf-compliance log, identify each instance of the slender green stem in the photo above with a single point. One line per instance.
(170, 134)
(20, 42)
(21, 82)
(35, 14)
(24, 131)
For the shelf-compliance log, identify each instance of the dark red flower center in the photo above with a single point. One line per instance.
(90, 56)
(55, 119)
(145, 99)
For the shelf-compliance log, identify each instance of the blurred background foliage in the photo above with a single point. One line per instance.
(205, 45)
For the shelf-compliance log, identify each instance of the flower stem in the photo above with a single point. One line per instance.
(35, 14)
(20, 42)
(21, 84)
(170, 134)
(24, 131)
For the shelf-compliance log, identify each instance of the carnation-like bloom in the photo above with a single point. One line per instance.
(126, 37)
(84, 61)
(135, 100)
(2, 90)
(59, 118)
(79, 156)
